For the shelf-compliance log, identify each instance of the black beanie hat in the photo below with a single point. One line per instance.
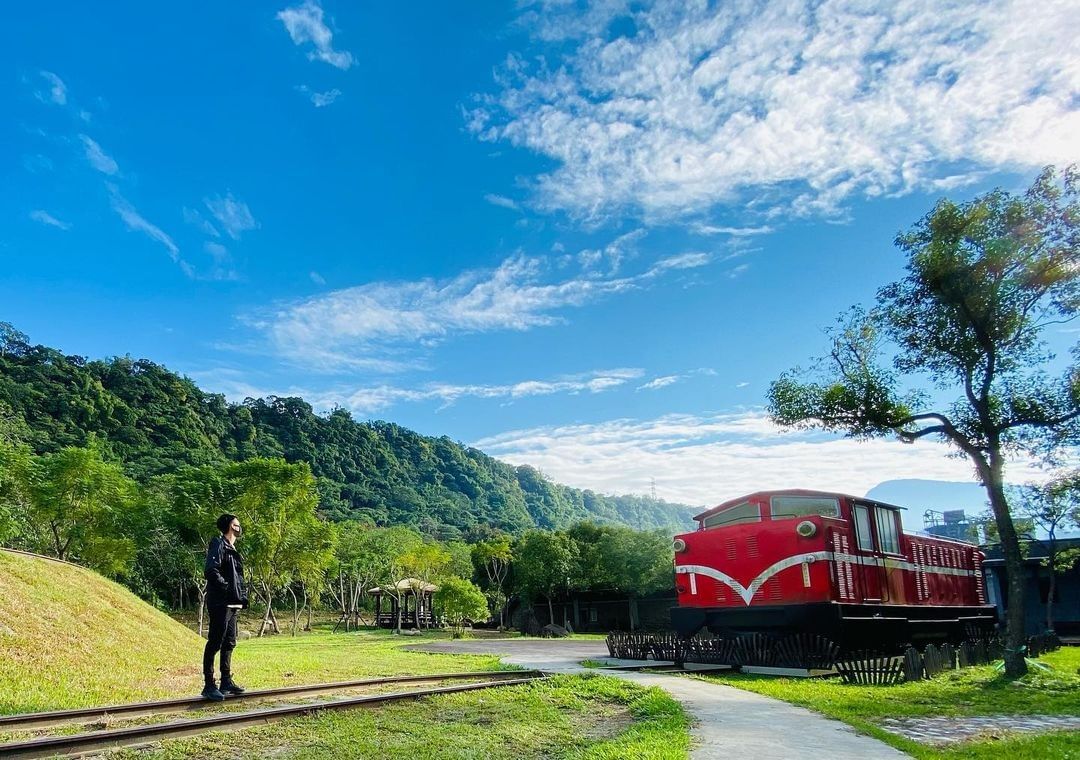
(224, 522)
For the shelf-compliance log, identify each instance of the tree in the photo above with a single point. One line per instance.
(543, 564)
(636, 563)
(460, 601)
(276, 504)
(1051, 507)
(494, 557)
(983, 280)
(86, 505)
(16, 476)
(196, 497)
(427, 565)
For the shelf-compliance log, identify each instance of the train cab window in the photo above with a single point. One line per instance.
(747, 512)
(785, 507)
(862, 528)
(888, 536)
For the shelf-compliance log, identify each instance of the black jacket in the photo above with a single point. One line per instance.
(224, 575)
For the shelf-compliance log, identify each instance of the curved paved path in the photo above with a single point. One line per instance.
(726, 720)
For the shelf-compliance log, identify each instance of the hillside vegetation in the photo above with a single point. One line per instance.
(70, 638)
(156, 421)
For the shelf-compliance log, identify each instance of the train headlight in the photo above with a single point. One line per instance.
(678, 545)
(806, 529)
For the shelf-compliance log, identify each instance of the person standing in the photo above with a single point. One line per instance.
(226, 595)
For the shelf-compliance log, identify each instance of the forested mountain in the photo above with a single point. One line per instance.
(156, 421)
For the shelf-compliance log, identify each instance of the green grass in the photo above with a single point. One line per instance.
(968, 691)
(594, 717)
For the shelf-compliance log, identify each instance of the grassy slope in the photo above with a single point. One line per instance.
(70, 638)
(969, 691)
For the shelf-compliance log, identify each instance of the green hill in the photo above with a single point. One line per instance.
(71, 638)
(157, 421)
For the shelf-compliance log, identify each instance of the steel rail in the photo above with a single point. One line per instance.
(30, 721)
(97, 741)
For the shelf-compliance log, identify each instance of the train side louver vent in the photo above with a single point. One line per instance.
(772, 589)
(730, 549)
(751, 546)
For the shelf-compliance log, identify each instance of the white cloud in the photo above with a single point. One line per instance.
(742, 384)
(317, 278)
(369, 400)
(706, 459)
(222, 263)
(57, 89)
(197, 220)
(44, 217)
(503, 201)
(659, 382)
(320, 99)
(98, 158)
(136, 222)
(337, 328)
(305, 23)
(233, 216)
(797, 106)
(738, 232)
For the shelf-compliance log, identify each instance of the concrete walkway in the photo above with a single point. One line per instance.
(727, 722)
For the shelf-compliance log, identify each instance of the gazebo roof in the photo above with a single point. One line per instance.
(408, 584)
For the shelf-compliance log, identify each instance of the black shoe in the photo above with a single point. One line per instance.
(211, 692)
(228, 686)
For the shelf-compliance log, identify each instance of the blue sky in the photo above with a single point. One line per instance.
(585, 236)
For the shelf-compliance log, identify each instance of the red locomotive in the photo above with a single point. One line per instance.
(795, 562)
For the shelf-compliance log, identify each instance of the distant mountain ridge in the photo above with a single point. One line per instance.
(157, 421)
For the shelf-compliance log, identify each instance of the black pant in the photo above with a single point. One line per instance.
(222, 637)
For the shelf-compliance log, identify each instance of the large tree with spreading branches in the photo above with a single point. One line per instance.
(964, 327)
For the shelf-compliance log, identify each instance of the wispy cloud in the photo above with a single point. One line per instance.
(738, 232)
(98, 158)
(706, 459)
(320, 99)
(305, 24)
(659, 382)
(317, 278)
(503, 201)
(136, 222)
(44, 217)
(794, 107)
(368, 400)
(233, 215)
(349, 325)
(199, 222)
(221, 262)
(57, 92)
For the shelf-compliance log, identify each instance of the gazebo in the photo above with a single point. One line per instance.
(414, 596)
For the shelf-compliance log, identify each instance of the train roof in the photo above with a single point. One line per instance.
(793, 492)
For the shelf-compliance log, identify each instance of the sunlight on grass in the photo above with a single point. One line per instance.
(594, 717)
(968, 691)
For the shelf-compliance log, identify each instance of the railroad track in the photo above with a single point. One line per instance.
(96, 741)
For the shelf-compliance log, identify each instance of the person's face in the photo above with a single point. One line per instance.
(234, 526)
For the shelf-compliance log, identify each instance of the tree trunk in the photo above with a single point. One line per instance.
(308, 606)
(274, 621)
(1050, 595)
(295, 610)
(1015, 638)
(269, 609)
(202, 604)
(551, 612)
